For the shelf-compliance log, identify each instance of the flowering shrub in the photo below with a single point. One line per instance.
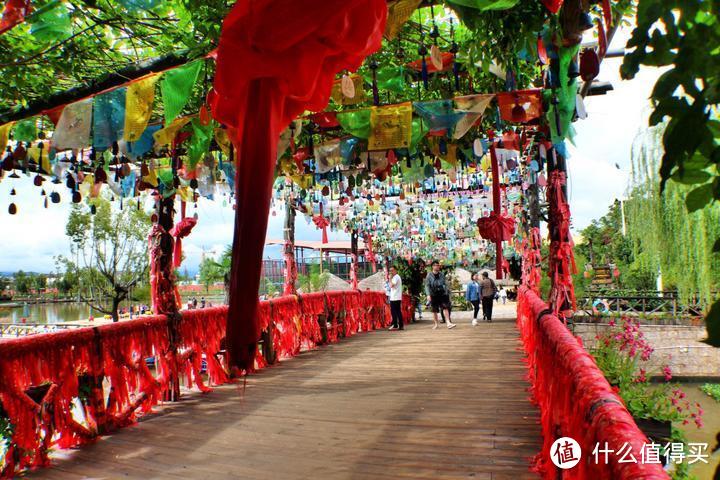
(620, 353)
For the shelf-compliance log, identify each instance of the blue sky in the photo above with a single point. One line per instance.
(32, 238)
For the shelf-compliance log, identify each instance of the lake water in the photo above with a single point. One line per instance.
(47, 313)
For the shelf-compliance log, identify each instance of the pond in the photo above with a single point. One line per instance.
(46, 313)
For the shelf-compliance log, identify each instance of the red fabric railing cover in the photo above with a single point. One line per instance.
(117, 353)
(575, 399)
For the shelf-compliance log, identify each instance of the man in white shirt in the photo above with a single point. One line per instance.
(396, 300)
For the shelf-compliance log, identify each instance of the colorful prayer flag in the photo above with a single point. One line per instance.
(73, 128)
(138, 107)
(176, 87)
(390, 127)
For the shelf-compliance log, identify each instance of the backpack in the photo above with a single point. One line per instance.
(437, 288)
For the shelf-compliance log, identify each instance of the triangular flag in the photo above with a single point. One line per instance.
(73, 128)
(167, 135)
(399, 12)
(4, 133)
(474, 106)
(138, 107)
(108, 118)
(176, 87)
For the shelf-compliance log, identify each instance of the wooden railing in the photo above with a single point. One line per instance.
(656, 307)
(65, 388)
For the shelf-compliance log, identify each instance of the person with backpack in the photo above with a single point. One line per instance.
(438, 294)
(488, 289)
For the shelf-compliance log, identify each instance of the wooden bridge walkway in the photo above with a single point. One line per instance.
(414, 404)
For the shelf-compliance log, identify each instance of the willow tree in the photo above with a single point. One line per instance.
(109, 252)
(668, 235)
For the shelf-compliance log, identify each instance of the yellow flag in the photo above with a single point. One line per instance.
(151, 178)
(303, 181)
(223, 140)
(390, 127)
(340, 98)
(166, 135)
(40, 157)
(4, 132)
(186, 194)
(138, 107)
(399, 12)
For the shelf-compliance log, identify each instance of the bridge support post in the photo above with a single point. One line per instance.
(354, 259)
(496, 206)
(163, 291)
(561, 263)
(290, 276)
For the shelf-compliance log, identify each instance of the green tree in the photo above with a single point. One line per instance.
(111, 251)
(314, 281)
(23, 282)
(211, 272)
(684, 36)
(40, 282)
(68, 279)
(4, 284)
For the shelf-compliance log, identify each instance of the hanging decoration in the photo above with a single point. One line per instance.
(73, 128)
(390, 127)
(138, 107)
(176, 87)
(13, 13)
(108, 116)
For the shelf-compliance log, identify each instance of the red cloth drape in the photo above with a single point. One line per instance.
(13, 13)
(496, 228)
(276, 59)
(181, 230)
(447, 62)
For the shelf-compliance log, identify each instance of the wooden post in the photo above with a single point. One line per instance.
(354, 255)
(289, 234)
(164, 293)
(496, 206)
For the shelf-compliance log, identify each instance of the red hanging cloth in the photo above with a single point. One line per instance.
(322, 223)
(276, 59)
(13, 13)
(520, 106)
(179, 231)
(496, 228)
(447, 63)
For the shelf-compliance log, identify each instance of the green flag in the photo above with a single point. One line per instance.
(176, 86)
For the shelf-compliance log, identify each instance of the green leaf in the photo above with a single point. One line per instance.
(689, 176)
(699, 197)
(666, 85)
(52, 25)
(712, 323)
(716, 247)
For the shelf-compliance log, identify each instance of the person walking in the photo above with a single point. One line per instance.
(487, 291)
(472, 295)
(503, 295)
(396, 300)
(438, 293)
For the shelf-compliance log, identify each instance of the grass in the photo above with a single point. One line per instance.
(713, 390)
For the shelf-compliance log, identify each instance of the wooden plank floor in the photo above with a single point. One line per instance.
(414, 404)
